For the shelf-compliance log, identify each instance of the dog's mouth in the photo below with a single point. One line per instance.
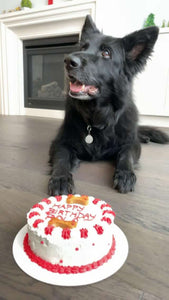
(81, 91)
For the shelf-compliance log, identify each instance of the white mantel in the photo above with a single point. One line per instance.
(67, 17)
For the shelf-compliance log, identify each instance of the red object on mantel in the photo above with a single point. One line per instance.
(50, 2)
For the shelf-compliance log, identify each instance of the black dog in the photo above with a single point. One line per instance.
(101, 118)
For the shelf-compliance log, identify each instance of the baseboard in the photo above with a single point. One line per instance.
(48, 113)
(158, 121)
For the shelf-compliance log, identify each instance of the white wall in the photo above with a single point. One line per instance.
(12, 4)
(117, 17)
(124, 16)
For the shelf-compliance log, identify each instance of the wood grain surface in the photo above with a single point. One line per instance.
(143, 215)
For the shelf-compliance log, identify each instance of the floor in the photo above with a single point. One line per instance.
(142, 215)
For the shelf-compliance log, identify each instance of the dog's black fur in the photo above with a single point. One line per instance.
(109, 64)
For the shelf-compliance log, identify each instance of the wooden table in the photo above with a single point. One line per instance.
(142, 215)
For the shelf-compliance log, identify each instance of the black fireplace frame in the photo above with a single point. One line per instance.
(54, 45)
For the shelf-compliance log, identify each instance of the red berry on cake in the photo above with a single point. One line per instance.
(99, 229)
(84, 233)
(47, 201)
(33, 213)
(36, 223)
(66, 233)
(49, 229)
(38, 205)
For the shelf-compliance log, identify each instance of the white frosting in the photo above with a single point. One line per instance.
(76, 250)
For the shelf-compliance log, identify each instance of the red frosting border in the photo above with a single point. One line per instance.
(56, 268)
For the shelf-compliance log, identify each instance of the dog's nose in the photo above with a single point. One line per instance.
(72, 62)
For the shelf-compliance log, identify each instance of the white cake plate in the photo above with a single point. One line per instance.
(41, 274)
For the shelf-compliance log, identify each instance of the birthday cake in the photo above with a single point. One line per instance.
(70, 233)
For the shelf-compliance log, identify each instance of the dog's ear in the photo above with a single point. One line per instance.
(138, 47)
(88, 28)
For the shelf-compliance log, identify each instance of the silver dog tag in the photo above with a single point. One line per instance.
(89, 139)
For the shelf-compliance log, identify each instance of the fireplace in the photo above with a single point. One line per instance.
(63, 19)
(45, 82)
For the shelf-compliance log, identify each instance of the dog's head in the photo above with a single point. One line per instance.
(104, 64)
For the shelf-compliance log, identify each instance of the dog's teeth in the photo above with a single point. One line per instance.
(83, 87)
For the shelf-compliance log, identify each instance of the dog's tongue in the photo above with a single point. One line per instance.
(78, 87)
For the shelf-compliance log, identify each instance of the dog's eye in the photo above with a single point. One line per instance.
(106, 53)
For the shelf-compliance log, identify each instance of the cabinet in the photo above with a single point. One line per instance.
(151, 87)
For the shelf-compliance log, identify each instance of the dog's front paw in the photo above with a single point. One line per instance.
(124, 181)
(59, 185)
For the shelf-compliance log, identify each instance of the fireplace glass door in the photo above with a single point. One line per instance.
(44, 74)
